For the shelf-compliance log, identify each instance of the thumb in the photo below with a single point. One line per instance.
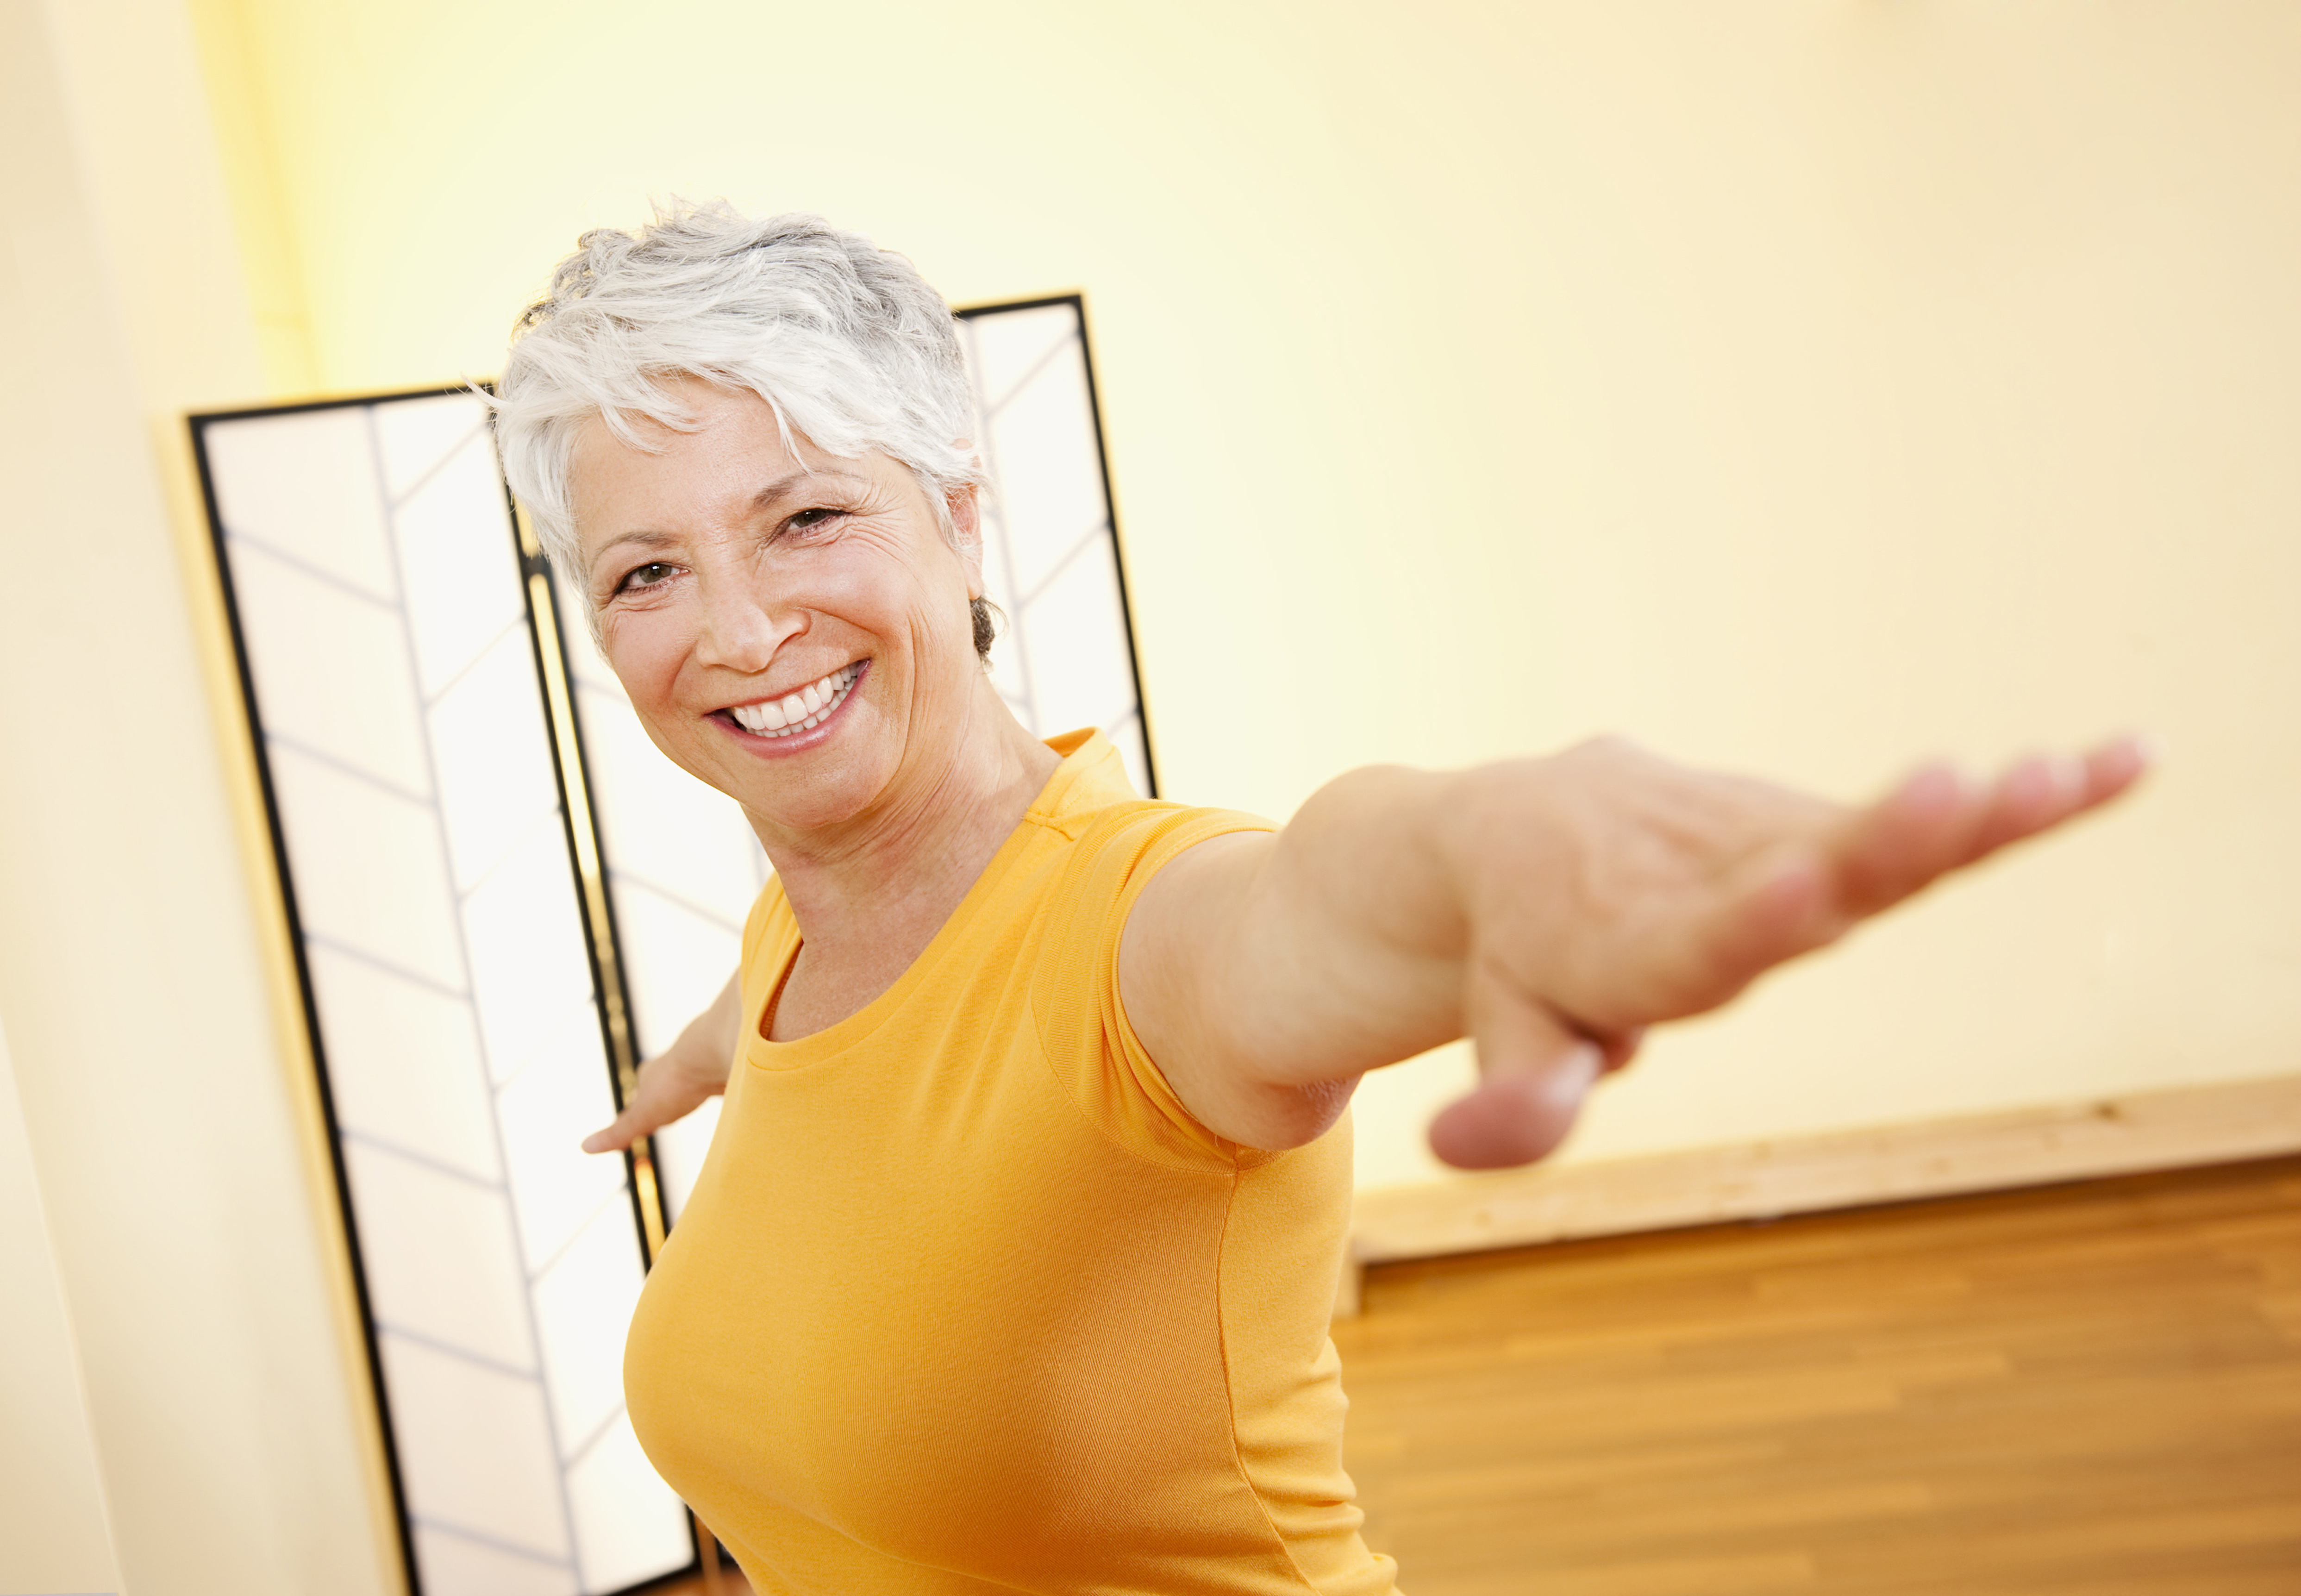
(1536, 1071)
(629, 1125)
(666, 1091)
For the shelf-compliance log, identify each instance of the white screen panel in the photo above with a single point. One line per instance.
(390, 664)
(1050, 549)
(388, 644)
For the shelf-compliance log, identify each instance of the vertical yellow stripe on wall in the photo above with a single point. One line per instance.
(246, 146)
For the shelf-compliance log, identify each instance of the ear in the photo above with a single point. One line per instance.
(966, 523)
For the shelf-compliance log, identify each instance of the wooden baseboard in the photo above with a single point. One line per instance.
(2219, 1124)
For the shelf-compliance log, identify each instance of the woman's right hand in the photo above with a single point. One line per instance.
(679, 1080)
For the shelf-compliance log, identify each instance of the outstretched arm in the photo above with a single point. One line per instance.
(1550, 908)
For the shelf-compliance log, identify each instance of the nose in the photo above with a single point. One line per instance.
(743, 626)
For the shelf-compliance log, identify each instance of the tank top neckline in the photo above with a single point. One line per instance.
(1085, 753)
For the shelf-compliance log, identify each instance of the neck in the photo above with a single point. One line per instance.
(869, 899)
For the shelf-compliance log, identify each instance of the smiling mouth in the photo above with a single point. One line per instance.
(801, 710)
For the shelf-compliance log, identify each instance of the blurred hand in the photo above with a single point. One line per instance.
(681, 1078)
(1607, 890)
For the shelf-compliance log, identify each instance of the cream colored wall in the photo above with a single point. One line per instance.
(53, 1535)
(1800, 388)
(161, 1120)
(1796, 386)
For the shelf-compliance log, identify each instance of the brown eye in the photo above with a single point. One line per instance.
(646, 575)
(808, 520)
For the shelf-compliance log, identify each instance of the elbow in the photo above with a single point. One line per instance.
(1284, 1117)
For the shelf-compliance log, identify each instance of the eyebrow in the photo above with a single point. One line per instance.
(783, 485)
(780, 488)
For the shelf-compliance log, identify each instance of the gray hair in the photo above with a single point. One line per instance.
(845, 342)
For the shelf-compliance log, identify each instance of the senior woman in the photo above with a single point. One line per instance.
(1011, 1264)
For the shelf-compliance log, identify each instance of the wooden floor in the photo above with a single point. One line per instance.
(2081, 1390)
(2088, 1389)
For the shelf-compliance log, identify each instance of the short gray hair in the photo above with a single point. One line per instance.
(845, 342)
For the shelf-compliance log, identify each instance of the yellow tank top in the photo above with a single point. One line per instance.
(965, 1300)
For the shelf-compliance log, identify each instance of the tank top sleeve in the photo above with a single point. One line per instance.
(1075, 1001)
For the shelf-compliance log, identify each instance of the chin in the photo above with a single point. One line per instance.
(813, 794)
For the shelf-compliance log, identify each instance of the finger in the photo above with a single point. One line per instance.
(2032, 794)
(1615, 1052)
(1776, 907)
(1517, 1116)
(629, 1126)
(649, 1110)
(1806, 893)
(1937, 821)
(1929, 823)
(1536, 1069)
(2039, 794)
(2117, 764)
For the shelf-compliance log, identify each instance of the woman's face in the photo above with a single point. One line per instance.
(792, 628)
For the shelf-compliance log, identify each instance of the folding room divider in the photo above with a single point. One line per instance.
(499, 896)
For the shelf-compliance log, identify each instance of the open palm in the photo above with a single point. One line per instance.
(1666, 891)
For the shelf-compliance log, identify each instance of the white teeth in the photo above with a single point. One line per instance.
(801, 710)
